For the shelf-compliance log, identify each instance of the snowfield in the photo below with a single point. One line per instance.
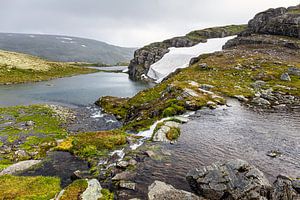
(180, 57)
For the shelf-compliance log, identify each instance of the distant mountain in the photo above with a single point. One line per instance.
(65, 48)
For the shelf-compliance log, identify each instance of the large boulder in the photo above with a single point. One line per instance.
(279, 21)
(234, 180)
(161, 191)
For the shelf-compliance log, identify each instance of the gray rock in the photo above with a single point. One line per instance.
(132, 162)
(19, 167)
(206, 87)
(260, 101)
(123, 176)
(150, 153)
(122, 164)
(232, 180)
(20, 154)
(285, 77)
(294, 71)
(284, 189)
(241, 98)
(127, 184)
(203, 66)
(258, 84)
(172, 124)
(93, 191)
(160, 135)
(161, 191)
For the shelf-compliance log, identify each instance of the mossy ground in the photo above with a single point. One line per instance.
(21, 188)
(74, 190)
(94, 144)
(231, 72)
(36, 138)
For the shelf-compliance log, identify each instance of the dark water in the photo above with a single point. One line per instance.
(59, 164)
(222, 134)
(78, 90)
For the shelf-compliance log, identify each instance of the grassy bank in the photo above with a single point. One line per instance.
(22, 68)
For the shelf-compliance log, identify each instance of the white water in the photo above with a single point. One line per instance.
(180, 57)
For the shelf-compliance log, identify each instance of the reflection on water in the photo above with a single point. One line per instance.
(228, 133)
(77, 90)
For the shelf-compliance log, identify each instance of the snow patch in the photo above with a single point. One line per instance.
(180, 57)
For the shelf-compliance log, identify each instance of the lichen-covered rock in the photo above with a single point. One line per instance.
(279, 21)
(19, 167)
(234, 180)
(93, 192)
(161, 191)
(286, 189)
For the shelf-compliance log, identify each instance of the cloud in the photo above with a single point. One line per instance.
(126, 23)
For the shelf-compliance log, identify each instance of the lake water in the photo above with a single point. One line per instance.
(78, 90)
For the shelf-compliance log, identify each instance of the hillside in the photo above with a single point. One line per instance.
(65, 48)
(20, 68)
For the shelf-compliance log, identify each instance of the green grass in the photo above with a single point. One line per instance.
(74, 190)
(16, 75)
(107, 195)
(35, 188)
(173, 133)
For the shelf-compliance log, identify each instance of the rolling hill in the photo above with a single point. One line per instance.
(65, 48)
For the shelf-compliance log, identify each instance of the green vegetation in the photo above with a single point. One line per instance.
(32, 128)
(231, 72)
(74, 190)
(94, 144)
(173, 133)
(4, 163)
(21, 188)
(107, 195)
(21, 68)
(294, 11)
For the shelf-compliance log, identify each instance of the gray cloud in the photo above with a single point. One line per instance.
(126, 22)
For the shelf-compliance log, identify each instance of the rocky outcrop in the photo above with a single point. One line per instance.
(146, 56)
(286, 188)
(279, 21)
(93, 192)
(161, 191)
(235, 179)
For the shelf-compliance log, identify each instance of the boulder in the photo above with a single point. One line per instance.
(294, 71)
(19, 167)
(260, 101)
(285, 77)
(161, 191)
(232, 180)
(286, 189)
(127, 185)
(93, 191)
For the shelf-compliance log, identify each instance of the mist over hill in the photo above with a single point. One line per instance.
(65, 48)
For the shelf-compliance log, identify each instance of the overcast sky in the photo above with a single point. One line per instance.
(126, 22)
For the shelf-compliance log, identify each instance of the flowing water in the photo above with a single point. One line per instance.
(229, 133)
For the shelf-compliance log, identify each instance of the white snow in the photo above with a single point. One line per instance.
(180, 57)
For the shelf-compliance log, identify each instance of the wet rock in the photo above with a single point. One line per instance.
(285, 77)
(284, 189)
(122, 164)
(234, 180)
(93, 191)
(211, 105)
(150, 153)
(80, 175)
(260, 101)
(132, 162)
(274, 154)
(161, 191)
(123, 176)
(172, 124)
(19, 167)
(241, 98)
(181, 119)
(294, 71)
(127, 185)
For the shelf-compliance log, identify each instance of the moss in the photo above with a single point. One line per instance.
(4, 163)
(74, 190)
(173, 133)
(93, 144)
(37, 138)
(19, 187)
(107, 195)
